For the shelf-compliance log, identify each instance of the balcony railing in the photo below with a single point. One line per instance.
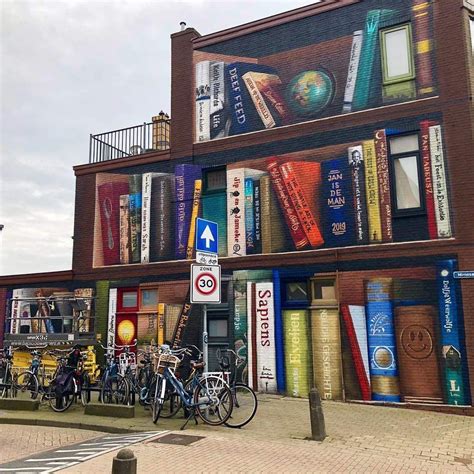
(145, 138)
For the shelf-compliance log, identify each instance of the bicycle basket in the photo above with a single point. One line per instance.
(167, 360)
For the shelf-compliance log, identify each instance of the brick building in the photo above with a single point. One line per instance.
(330, 145)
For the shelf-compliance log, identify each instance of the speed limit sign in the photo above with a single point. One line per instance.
(205, 283)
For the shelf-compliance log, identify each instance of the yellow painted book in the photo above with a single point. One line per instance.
(194, 216)
(372, 192)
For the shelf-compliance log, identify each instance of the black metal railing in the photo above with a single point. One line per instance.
(145, 138)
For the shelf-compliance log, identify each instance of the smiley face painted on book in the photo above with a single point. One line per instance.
(417, 341)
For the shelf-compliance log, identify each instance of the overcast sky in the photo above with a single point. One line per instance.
(71, 68)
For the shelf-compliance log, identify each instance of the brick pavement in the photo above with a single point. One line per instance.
(360, 439)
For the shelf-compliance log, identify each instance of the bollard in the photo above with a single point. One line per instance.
(318, 428)
(125, 462)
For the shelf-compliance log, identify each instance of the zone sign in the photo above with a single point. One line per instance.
(205, 283)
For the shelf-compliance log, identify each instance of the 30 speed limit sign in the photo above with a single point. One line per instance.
(205, 283)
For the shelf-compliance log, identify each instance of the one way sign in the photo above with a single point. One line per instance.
(206, 236)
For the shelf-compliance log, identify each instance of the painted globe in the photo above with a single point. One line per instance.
(310, 92)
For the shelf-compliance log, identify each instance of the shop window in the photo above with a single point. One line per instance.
(406, 173)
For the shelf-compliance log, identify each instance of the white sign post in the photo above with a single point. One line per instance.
(205, 283)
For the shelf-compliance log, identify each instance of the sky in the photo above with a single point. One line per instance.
(71, 68)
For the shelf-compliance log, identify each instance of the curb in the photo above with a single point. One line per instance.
(65, 424)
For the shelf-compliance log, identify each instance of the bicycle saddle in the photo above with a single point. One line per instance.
(198, 364)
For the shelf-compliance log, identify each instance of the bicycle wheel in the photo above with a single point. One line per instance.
(59, 398)
(171, 404)
(115, 390)
(158, 387)
(85, 389)
(6, 381)
(245, 405)
(213, 400)
(25, 385)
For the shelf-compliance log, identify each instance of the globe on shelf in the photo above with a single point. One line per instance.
(310, 92)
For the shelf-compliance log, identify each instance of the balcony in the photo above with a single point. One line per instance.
(126, 142)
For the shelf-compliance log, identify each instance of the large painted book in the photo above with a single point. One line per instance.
(364, 87)
(172, 315)
(352, 71)
(411, 292)
(423, 46)
(108, 195)
(384, 185)
(160, 329)
(359, 206)
(326, 350)
(372, 192)
(185, 177)
(440, 187)
(214, 208)
(135, 201)
(275, 235)
(162, 218)
(428, 177)
(203, 101)
(258, 101)
(147, 328)
(302, 181)
(124, 229)
(381, 340)
(250, 237)
(257, 215)
(355, 322)
(251, 336)
(450, 322)
(194, 215)
(240, 278)
(145, 218)
(21, 311)
(244, 115)
(417, 344)
(83, 313)
(339, 228)
(236, 207)
(297, 350)
(219, 123)
(298, 235)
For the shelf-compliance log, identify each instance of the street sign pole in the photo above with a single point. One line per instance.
(205, 353)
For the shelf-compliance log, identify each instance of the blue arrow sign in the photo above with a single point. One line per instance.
(206, 236)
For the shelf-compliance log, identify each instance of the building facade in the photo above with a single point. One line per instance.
(331, 144)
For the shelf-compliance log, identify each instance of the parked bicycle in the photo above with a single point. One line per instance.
(7, 388)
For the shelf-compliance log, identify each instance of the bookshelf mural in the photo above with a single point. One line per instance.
(373, 57)
(388, 186)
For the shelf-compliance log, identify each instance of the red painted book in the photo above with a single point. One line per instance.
(428, 178)
(109, 207)
(303, 189)
(384, 185)
(288, 209)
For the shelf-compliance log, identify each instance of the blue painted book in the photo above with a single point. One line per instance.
(337, 203)
(135, 204)
(249, 216)
(450, 334)
(185, 176)
(381, 340)
(244, 115)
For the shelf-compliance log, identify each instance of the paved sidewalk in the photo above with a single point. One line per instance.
(360, 439)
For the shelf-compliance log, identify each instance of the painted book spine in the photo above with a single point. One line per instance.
(194, 216)
(298, 235)
(251, 338)
(214, 208)
(326, 349)
(355, 322)
(299, 200)
(160, 336)
(428, 178)
(384, 185)
(265, 337)
(356, 164)
(257, 214)
(236, 244)
(372, 192)
(218, 113)
(450, 334)
(440, 189)
(352, 71)
(183, 319)
(135, 200)
(423, 45)
(297, 352)
(241, 339)
(112, 320)
(249, 217)
(338, 212)
(417, 353)
(162, 218)
(185, 176)
(381, 340)
(145, 225)
(15, 312)
(203, 101)
(258, 101)
(279, 336)
(124, 229)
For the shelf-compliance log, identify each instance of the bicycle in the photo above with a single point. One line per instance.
(210, 398)
(6, 373)
(244, 398)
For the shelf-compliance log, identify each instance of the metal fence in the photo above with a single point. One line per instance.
(145, 138)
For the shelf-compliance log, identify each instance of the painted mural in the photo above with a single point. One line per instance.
(372, 57)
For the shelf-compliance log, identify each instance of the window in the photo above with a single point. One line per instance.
(405, 172)
(217, 328)
(397, 54)
(471, 25)
(149, 299)
(215, 179)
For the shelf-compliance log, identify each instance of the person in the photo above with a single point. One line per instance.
(74, 357)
